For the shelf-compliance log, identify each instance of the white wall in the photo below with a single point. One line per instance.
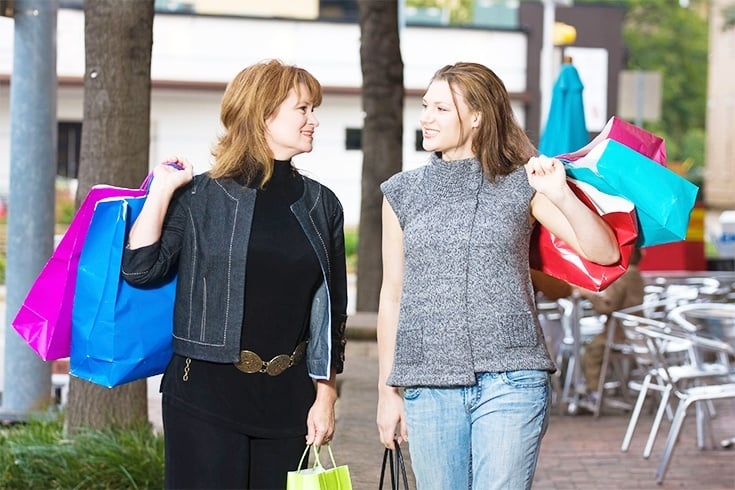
(210, 49)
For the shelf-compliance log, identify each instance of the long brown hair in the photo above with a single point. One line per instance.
(499, 142)
(249, 100)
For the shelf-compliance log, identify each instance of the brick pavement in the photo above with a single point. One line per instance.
(578, 452)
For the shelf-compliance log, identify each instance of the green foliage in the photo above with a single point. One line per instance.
(351, 248)
(662, 36)
(2, 269)
(673, 41)
(65, 207)
(460, 11)
(37, 455)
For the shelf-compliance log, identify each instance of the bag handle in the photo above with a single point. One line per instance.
(317, 463)
(395, 461)
(147, 182)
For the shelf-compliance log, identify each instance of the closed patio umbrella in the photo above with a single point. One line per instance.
(565, 130)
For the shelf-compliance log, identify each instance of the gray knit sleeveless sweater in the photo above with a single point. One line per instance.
(467, 304)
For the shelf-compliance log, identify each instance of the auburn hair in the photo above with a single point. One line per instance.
(249, 100)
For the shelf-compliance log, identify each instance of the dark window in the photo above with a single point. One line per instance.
(419, 145)
(70, 141)
(353, 139)
(341, 10)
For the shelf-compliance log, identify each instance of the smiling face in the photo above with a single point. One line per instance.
(290, 130)
(447, 123)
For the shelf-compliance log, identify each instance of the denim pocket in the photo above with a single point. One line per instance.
(526, 378)
(411, 393)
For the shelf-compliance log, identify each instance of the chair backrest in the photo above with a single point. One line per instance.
(654, 340)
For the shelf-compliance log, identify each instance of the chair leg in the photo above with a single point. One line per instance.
(636, 413)
(679, 416)
(704, 425)
(600, 393)
(657, 421)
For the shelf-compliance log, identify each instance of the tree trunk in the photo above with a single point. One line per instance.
(115, 147)
(382, 135)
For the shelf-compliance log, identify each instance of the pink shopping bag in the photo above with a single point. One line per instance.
(44, 318)
(630, 135)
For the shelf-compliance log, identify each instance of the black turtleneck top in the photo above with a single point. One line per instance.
(281, 277)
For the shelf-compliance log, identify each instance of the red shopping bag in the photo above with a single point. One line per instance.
(556, 258)
(635, 138)
(44, 318)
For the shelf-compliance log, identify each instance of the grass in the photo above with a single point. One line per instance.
(38, 455)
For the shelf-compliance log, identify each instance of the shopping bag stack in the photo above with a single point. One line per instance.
(556, 258)
(629, 162)
(56, 322)
(120, 332)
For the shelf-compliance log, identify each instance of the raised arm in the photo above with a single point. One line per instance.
(167, 177)
(557, 208)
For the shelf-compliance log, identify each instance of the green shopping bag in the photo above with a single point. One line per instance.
(663, 200)
(318, 477)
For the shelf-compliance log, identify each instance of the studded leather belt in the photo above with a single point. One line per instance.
(250, 362)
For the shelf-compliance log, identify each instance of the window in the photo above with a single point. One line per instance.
(68, 148)
(353, 139)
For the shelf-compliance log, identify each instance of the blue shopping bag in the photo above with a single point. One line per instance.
(663, 199)
(120, 333)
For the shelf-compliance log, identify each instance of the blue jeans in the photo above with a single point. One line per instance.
(483, 437)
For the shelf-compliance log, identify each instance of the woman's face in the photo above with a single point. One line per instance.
(290, 130)
(440, 122)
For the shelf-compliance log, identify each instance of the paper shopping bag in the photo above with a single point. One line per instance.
(120, 332)
(318, 477)
(663, 200)
(44, 318)
(632, 136)
(556, 258)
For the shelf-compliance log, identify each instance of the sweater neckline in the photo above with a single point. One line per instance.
(454, 179)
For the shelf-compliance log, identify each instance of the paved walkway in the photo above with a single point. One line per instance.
(578, 452)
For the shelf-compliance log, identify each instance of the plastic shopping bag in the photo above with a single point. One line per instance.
(120, 332)
(553, 256)
(44, 318)
(632, 136)
(663, 199)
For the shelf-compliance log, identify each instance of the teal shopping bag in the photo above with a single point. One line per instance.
(663, 199)
(120, 333)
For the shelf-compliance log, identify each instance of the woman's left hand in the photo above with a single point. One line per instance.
(320, 422)
(547, 176)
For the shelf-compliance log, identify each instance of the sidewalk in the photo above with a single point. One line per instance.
(578, 452)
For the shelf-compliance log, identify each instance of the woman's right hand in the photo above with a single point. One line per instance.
(167, 177)
(171, 174)
(391, 420)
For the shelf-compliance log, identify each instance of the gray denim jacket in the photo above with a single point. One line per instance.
(205, 241)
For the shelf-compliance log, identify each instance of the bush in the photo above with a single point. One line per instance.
(37, 455)
(65, 209)
(351, 248)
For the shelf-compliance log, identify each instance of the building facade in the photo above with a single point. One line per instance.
(197, 51)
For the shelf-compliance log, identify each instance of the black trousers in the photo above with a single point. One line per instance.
(204, 455)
